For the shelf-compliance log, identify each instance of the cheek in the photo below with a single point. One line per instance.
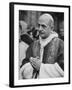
(47, 33)
(44, 35)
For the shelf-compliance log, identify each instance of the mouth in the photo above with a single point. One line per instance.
(41, 32)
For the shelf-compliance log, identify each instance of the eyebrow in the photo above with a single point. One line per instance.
(43, 24)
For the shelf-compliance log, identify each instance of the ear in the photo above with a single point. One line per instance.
(52, 25)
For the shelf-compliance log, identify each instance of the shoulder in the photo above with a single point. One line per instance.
(26, 38)
(57, 40)
(23, 44)
(56, 43)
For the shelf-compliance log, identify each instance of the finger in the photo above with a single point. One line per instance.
(37, 57)
(31, 57)
(33, 65)
(32, 62)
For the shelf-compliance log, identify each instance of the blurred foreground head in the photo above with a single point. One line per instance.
(23, 26)
(23, 35)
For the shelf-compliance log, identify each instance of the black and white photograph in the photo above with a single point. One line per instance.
(39, 35)
(41, 44)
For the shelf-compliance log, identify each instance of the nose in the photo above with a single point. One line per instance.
(40, 28)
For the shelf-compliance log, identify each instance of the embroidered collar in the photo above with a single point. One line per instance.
(44, 42)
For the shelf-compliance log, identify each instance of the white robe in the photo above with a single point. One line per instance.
(22, 51)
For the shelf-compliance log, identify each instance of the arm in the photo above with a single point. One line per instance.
(26, 68)
(50, 71)
(28, 55)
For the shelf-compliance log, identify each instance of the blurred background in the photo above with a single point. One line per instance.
(31, 18)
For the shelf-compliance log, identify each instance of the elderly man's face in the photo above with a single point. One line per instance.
(43, 27)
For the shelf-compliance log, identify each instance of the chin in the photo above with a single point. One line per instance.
(43, 37)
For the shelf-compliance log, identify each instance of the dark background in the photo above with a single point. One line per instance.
(31, 18)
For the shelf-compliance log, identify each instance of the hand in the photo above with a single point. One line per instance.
(35, 62)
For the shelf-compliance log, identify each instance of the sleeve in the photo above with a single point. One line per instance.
(50, 71)
(26, 71)
(28, 55)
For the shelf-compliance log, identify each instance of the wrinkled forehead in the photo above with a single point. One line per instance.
(42, 21)
(45, 19)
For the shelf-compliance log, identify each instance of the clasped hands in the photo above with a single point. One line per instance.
(35, 62)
